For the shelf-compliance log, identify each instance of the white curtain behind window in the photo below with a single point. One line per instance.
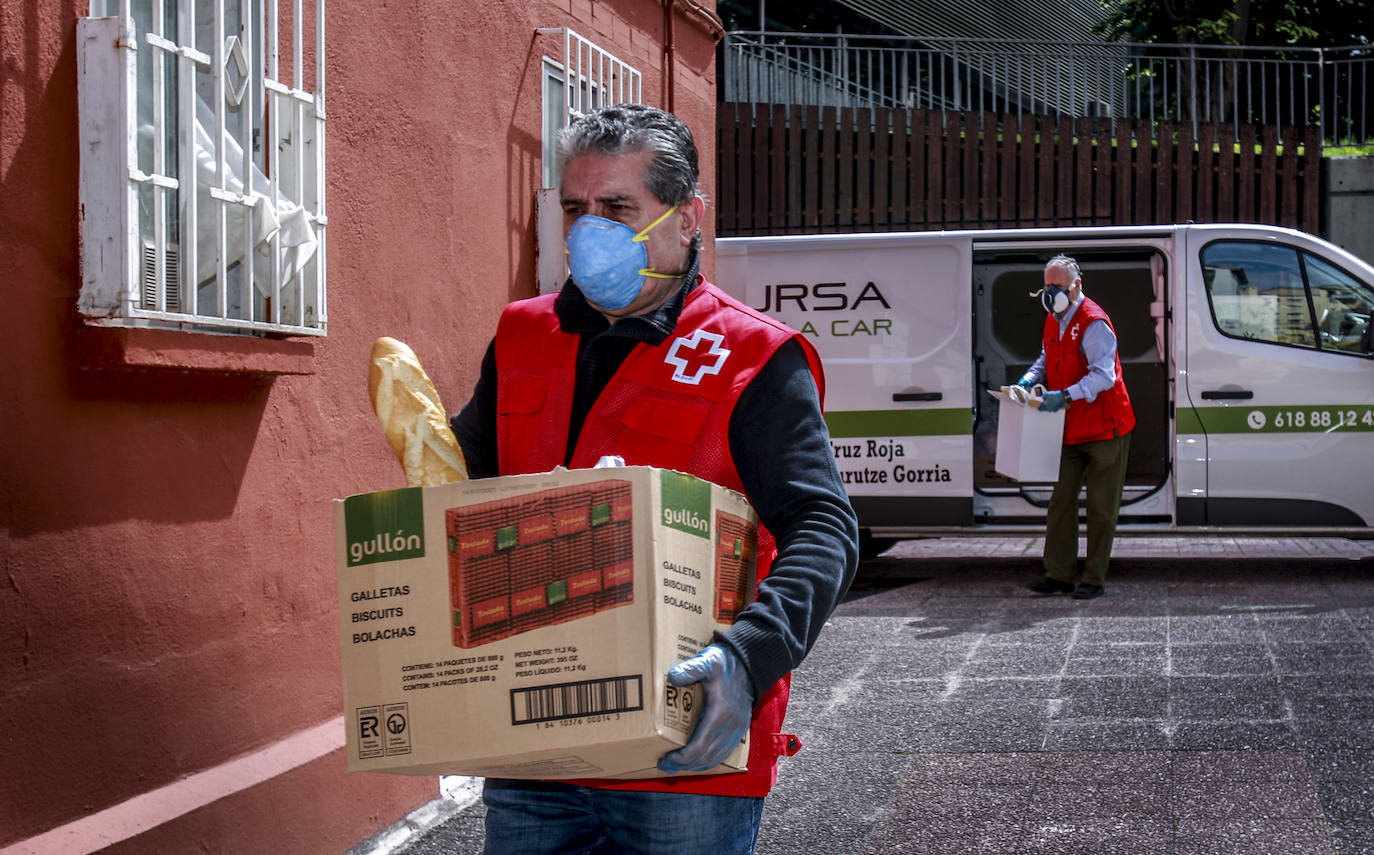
(285, 217)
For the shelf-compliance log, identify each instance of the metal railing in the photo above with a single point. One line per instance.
(1159, 82)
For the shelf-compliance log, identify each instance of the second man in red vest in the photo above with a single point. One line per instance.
(1080, 365)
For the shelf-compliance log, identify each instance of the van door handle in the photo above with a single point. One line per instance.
(1227, 395)
(917, 396)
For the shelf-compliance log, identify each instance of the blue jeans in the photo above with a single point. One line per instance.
(542, 817)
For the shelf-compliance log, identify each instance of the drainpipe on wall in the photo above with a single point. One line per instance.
(669, 50)
(700, 15)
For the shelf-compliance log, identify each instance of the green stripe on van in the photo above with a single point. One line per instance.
(952, 421)
(1187, 420)
(1304, 418)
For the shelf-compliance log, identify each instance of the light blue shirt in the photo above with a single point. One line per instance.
(1098, 346)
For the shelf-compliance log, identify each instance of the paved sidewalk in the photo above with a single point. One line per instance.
(1218, 699)
(1202, 706)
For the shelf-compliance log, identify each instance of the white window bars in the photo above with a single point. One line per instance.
(594, 77)
(589, 77)
(202, 170)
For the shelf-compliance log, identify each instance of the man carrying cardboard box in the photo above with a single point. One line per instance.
(1080, 366)
(639, 356)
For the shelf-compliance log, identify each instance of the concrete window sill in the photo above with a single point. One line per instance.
(143, 349)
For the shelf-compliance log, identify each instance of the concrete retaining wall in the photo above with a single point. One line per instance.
(1350, 204)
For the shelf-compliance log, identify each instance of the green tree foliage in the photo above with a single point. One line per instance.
(1306, 23)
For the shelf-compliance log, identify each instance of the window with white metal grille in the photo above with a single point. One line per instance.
(588, 78)
(202, 165)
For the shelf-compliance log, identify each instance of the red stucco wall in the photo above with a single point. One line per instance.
(167, 585)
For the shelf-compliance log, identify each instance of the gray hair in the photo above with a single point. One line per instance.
(671, 174)
(1067, 263)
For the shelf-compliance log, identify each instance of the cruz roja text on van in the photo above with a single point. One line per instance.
(888, 450)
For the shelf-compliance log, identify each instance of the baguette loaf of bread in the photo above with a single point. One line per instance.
(414, 420)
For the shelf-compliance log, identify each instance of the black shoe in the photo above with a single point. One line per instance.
(1084, 591)
(1051, 586)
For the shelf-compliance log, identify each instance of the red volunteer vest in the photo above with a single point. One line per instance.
(1109, 414)
(667, 406)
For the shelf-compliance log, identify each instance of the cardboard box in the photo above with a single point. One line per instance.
(523, 627)
(1028, 441)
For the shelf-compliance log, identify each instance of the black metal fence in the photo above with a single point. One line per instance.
(1193, 84)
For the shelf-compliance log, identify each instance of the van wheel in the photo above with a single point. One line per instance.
(871, 547)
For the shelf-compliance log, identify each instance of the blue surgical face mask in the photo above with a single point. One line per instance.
(609, 261)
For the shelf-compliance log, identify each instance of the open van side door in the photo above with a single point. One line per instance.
(1126, 272)
(890, 315)
(1279, 380)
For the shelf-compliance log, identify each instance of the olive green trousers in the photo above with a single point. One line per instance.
(1100, 467)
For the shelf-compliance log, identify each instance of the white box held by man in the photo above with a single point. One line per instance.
(1029, 441)
(523, 627)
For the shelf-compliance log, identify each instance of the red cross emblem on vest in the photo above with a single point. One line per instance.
(695, 356)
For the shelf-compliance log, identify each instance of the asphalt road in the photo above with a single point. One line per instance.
(1218, 699)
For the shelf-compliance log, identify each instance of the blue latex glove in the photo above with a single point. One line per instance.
(725, 719)
(1026, 382)
(1051, 402)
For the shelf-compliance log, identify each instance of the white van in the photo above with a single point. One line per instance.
(1248, 353)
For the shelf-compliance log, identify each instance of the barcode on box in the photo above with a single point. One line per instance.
(572, 700)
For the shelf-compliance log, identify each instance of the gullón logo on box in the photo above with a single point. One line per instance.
(384, 526)
(686, 503)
